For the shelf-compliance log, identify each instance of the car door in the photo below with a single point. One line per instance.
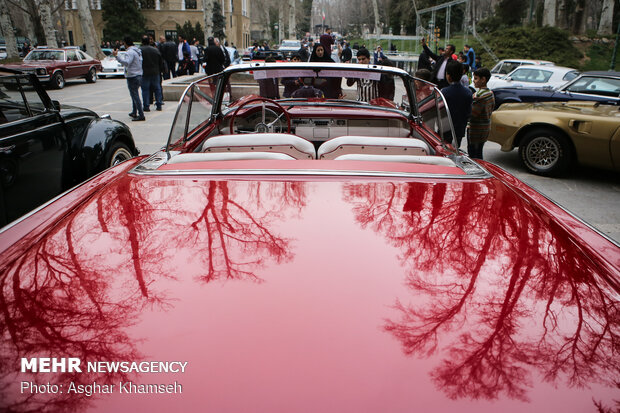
(32, 148)
(74, 65)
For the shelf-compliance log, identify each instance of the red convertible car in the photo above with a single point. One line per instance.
(308, 254)
(55, 66)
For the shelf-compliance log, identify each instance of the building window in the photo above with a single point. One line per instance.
(191, 4)
(147, 4)
(244, 7)
(172, 33)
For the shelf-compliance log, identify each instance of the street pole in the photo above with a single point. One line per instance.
(613, 55)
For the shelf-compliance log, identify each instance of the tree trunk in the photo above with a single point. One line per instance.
(207, 15)
(88, 30)
(6, 25)
(549, 12)
(45, 11)
(280, 21)
(375, 8)
(607, 14)
(292, 26)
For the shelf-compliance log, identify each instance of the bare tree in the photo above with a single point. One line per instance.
(292, 26)
(6, 25)
(88, 29)
(375, 8)
(207, 15)
(607, 14)
(45, 13)
(280, 21)
(549, 11)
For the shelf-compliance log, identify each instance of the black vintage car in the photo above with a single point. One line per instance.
(46, 148)
(601, 87)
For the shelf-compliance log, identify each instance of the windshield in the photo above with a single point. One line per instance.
(292, 85)
(45, 55)
(287, 43)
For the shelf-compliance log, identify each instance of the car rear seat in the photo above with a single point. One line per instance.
(372, 145)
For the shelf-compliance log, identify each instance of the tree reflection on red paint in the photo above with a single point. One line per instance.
(77, 291)
(497, 289)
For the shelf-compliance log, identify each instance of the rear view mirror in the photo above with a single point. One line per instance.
(56, 104)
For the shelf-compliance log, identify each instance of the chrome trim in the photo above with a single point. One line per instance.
(151, 164)
(305, 172)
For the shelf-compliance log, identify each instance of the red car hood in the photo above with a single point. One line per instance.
(312, 295)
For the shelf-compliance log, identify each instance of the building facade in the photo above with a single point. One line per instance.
(162, 16)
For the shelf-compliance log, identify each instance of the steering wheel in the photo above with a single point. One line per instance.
(263, 127)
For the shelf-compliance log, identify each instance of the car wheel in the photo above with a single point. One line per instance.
(91, 77)
(545, 152)
(119, 152)
(57, 81)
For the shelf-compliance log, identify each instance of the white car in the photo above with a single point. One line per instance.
(503, 67)
(535, 76)
(111, 67)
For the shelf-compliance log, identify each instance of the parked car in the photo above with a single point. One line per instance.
(535, 77)
(601, 87)
(55, 66)
(46, 148)
(288, 47)
(234, 55)
(235, 271)
(111, 67)
(552, 136)
(503, 67)
(3, 53)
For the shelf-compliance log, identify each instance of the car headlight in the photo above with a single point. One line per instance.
(41, 71)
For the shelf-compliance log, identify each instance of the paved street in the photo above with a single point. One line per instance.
(593, 195)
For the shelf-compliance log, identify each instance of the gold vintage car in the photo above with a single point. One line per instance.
(552, 136)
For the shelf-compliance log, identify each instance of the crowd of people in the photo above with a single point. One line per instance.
(470, 111)
(151, 63)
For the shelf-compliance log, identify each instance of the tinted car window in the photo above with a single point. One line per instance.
(570, 76)
(596, 86)
(71, 55)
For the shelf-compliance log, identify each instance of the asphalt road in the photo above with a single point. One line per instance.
(591, 194)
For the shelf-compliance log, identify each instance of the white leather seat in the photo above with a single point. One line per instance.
(376, 145)
(227, 156)
(427, 160)
(292, 145)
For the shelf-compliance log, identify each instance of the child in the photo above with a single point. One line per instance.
(480, 121)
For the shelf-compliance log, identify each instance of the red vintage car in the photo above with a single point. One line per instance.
(55, 66)
(307, 254)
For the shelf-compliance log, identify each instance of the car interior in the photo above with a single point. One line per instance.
(252, 126)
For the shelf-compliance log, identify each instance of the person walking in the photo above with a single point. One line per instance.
(470, 55)
(132, 60)
(482, 107)
(182, 49)
(327, 40)
(214, 58)
(152, 66)
(347, 54)
(168, 52)
(459, 101)
(193, 54)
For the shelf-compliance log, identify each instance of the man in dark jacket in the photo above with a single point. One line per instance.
(214, 57)
(152, 66)
(459, 100)
(168, 52)
(439, 71)
(347, 54)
